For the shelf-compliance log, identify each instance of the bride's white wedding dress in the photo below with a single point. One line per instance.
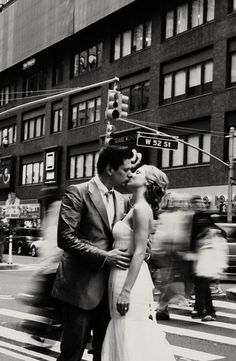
(133, 337)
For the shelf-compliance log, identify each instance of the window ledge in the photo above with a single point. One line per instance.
(189, 30)
(185, 99)
(186, 167)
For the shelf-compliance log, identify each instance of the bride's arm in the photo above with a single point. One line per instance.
(141, 222)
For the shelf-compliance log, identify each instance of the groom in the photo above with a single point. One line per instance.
(87, 214)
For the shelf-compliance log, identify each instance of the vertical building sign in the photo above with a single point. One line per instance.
(6, 173)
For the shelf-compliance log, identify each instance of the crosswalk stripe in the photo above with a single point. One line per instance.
(16, 355)
(23, 315)
(218, 313)
(24, 338)
(25, 350)
(225, 304)
(199, 335)
(229, 326)
(195, 355)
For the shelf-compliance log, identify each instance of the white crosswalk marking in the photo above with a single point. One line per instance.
(18, 344)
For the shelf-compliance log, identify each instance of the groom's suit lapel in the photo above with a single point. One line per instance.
(97, 200)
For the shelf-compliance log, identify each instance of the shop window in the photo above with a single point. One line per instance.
(83, 165)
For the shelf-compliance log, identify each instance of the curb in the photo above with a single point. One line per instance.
(7, 266)
(231, 294)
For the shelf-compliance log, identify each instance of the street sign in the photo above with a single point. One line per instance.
(151, 141)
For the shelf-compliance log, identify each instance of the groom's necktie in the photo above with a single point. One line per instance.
(110, 206)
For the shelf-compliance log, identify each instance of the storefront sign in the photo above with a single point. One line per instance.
(20, 211)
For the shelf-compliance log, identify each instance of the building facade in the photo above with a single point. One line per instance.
(175, 60)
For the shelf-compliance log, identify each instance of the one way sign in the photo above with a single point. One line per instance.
(150, 141)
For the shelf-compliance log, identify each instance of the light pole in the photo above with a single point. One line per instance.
(230, 174)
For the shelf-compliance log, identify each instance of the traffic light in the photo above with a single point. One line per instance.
(123, 105)
(117, 105)
(109, 139)
(112, 111)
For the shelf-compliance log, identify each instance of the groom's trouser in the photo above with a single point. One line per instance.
(77, 326)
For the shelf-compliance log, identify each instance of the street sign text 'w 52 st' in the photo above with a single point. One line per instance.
(149, 140)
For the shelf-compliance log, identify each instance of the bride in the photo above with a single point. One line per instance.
(131, 334)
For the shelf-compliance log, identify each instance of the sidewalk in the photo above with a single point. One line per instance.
(7, 266)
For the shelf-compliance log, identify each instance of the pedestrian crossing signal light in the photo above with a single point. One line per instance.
(109, 139)
(117, 105)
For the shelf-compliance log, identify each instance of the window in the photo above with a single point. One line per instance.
(232, 5)
(233, 68)
(34, 128)
(182, 18)
(57, 121)
(58, 72)
(32, 173)
(179, 83)
(87, 60)
(138, 96)
(192, 154)
(192, 80)
(137, 38)
(169, 32)
(7, 94)
(132, 40)
(83, 165)
(197, 13)
(8, 135)
(35, 82)
(186, 155)
(188, 15)
(178, 156)
(85, 112)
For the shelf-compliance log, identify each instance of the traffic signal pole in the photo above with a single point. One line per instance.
(228, 165)
(230, 174)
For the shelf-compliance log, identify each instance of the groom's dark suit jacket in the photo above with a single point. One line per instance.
(84, 234)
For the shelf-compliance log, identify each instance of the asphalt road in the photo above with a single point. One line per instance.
(192, 339)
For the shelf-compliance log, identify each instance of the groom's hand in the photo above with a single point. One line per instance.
(119, 258)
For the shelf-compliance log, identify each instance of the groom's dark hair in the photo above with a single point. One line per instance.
(114, 156)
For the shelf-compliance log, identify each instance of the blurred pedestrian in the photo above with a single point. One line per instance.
(201, 220)
(170, 244)
(87, 215)
(39, 292)
(211, 245)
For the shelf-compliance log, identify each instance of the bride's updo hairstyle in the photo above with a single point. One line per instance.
(157, 183)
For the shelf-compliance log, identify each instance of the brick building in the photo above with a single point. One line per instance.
(175, 59)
